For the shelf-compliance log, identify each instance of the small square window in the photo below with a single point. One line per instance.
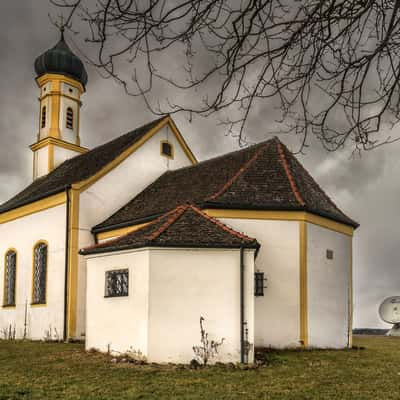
(117, 283)
(259, 284)
(166, 149)
(329, 254)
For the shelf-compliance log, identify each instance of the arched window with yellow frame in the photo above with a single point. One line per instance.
(10, 278)
(39, 279)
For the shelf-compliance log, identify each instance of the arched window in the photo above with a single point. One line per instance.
(10, 277)
(39, 273)
(70, 118)
(43, 123)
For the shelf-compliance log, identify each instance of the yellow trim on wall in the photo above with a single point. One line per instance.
(33, 273)
(77, 100)
(54, 130)
(51, 157)
(4, 279)
(42, 80)
(39, 205)
(73, 232)
(58, 142)
(119, 232)
(351, 295)
(90, 181)
(282, 215)
(182, 141)
(171, 157)
(303, 284)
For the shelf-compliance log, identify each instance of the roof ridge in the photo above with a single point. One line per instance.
(221, 224)
(178, 211)
(265, 142)
(154, 221)
(292, 181)
(244, 168)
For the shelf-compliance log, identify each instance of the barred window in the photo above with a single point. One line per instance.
(117, 283)
(259, 284)
(70, 118)
(167, 149)
(10, 278)
(43, 120)
(39, 273)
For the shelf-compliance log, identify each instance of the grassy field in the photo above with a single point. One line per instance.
(64, 371)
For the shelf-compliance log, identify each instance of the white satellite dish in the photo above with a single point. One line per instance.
(389, 311)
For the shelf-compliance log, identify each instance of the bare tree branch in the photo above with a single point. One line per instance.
(331, 66)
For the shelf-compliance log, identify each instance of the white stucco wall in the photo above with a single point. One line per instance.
(44, 132)
(22, 234)
(42, 162)
(61, 154)
(117, 188)
(277, 321)
(186, 284)
(328, 287)
(118, 323)
(69, 135)
(173, 287)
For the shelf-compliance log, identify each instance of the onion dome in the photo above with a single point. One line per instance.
(61, 60)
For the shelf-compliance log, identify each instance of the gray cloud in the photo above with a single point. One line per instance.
(366, 188)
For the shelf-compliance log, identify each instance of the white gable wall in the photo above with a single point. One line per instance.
(277, 321)
(22, 234)
(328, 287)
(117, 188)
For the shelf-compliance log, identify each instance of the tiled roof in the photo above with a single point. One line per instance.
(266, 176)
(184, 226)
(77, 169)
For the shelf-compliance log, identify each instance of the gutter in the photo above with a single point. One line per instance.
(66, 264)
(242, 344)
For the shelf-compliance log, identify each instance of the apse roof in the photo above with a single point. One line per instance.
(184, 226)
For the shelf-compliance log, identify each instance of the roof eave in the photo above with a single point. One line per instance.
(112, 249)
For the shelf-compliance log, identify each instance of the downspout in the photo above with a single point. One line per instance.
(66, 265)
(242, 304)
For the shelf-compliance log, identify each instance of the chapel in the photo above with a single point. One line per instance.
(128, 245)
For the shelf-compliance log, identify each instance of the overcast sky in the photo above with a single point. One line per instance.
(367, 188)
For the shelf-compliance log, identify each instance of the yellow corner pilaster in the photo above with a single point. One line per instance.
(73, 233)
(51, 157)
(54, 130)
(303, 285)
(351, 295)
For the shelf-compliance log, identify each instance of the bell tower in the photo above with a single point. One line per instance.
(62, 78)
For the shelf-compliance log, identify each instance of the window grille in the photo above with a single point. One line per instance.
(39, 274)
(43, 123)
(10, 277)
(70, 118)
(166, 149)
(259, 284)
(117, 283)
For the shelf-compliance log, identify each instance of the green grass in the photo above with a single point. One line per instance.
(32, 370)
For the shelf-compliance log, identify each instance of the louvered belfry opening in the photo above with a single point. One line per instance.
(70, 118)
